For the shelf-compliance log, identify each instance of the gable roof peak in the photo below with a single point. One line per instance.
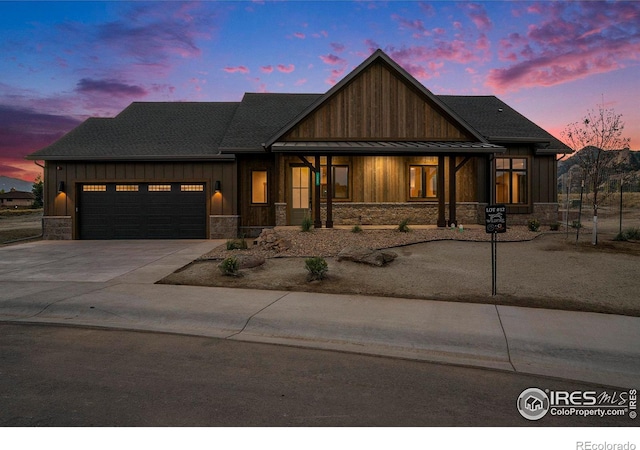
(377, 55)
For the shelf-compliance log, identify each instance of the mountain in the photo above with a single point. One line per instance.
(6, 183)
(628, 167)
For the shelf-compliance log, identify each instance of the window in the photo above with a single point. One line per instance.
(259, 186)
(423, 182)
(339, 179)
(94, 188)
(191, 188)
(159, 188)
(511, 181)
(126, 188)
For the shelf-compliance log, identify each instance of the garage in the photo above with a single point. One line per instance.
(142, 211)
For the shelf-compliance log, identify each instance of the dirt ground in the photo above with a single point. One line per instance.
(19, 224)
(550, 271)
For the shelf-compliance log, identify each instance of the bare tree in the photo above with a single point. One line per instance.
(593, 140)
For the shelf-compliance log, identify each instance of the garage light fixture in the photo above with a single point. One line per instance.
(61, 186)
(217, 187)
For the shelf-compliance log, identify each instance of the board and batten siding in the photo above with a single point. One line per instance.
(377, 105)
(73, 174)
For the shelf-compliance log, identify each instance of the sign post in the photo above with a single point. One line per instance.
(495, 218)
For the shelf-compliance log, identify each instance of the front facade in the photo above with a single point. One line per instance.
(377, 148)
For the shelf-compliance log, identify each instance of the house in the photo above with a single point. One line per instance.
(16, 199)
(377, 148)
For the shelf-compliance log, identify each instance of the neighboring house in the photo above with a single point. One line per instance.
(16, 199)
(376, 148)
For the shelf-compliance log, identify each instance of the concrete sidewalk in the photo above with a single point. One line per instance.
(589, 347)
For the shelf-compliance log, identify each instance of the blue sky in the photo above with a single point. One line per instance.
(61, 62)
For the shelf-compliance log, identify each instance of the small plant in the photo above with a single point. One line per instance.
(630, 234)
(554, 226)
(576, 224)
(404, 226)
(317, 268)
(237, 244)
(356, 229)
(229, 266)
(533, 225)
(307, 224)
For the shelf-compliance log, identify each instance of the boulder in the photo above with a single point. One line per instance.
(366, 256)
(249, 261)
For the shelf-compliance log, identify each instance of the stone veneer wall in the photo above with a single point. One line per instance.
(223, 227)
(418, 213)
(546, 213)
(57, 228)
(281, 214)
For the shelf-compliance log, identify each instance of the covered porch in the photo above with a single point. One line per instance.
(383, 183)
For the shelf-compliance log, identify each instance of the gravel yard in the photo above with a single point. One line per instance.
(534, 269)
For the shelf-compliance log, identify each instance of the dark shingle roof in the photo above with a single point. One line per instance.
(171, 130)
(188, 130)
(498, 122)
(260, 116)
(18, 195)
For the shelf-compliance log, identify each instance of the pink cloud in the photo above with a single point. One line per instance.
(336, 75)
(300, 82)
(286, 69)
(299, 35)
(113, 88)
(332, 59)
(478, 16)
(576, 41)
(237, 69)
(338, 48)
(266, 69)
(407, 24)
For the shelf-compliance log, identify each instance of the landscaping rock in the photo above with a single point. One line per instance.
(249, 261)
(270, 240)
(366, 255)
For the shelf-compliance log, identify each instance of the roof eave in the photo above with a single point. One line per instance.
(220, 157)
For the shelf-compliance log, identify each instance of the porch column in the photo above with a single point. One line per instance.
(441, 219)
(452, 190)
(317, 223)
(329, 223)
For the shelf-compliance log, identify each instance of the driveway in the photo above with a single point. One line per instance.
(134, 261)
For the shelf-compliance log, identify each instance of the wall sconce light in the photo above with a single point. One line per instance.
(217, 187)
(61, 186)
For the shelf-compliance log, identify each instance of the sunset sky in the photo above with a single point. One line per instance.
(61, 62)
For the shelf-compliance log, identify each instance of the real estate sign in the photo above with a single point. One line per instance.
(495, 218)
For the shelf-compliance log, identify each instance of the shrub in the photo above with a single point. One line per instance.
(404, 226)
(307, 224)
(576, 224)
(237, 244)
(628, 234)
(317, 268)
(356, 229)
(554, 226)
(229, 266)
(533, 225)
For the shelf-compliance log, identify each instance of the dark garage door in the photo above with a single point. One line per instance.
(142, 211)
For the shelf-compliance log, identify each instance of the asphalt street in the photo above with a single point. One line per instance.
(56, 376)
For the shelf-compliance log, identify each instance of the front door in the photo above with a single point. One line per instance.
(300, 194)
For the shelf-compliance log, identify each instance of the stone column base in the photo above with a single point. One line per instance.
(57, 228)
(223, 227)
(281, 214)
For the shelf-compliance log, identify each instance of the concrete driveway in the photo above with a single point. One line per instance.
(135, 261)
